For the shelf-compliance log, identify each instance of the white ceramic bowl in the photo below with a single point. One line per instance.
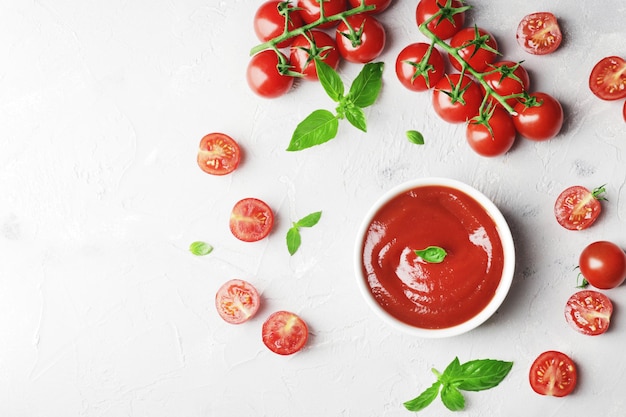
(508, 251)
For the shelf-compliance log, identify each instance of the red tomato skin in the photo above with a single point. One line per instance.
(269, 23)
(539, 33)
(541, 122)
(456, 112)
(495, 143)
(218, 154)
(444, 29)
(284, 333)
(237, 301)
(624, 111)
(310, 10)
(507, 86)
(263, 76)
(251, 220)
(477, 58)
(371, 43)
(576, 208)
(603, 264)
(380, 5)
(413, 54)
(607, 80)
(589, 312)
(553, 373)
(300, 59)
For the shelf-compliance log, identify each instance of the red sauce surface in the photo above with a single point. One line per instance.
(429, 295)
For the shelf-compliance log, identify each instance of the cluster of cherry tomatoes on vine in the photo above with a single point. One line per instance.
(491, 96)
(295, 35)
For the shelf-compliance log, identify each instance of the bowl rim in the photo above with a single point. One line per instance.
(504, 233)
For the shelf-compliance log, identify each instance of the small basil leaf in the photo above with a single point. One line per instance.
(309, 220)
(330, 80)
(432, 254)
(415, 137)
(356, 117)
(424, 399)
(293, 240)
(318, 127)
(366, 86)
(452, 398)
(200, 248)
(482, 374)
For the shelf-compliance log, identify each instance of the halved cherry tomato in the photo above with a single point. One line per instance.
(218, 154)
(538, 118)
(237, 301)
(270, 18)
(455, 109)
(364, 42)
(444, 27)
(415, 71)
(603, 264)
(553, 373)
(251, 220)
(507, 78)
(305, 48)
(539, 33)
(379, 5)
(284, 333)
(491, 137)
(589, 312)
(577, 208)
(264, 77)
(477, 47)
(608, 78)
(310, 10)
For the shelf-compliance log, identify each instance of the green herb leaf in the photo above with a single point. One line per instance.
(356, 117)
(415, 137)
(424, 399)
(330, 80)
(366, 86)
(482, 374)
(432, 254)
(319, 127)
(451, 371)
(309, 220)
(200, 248)
(293, 240)
(452, 398)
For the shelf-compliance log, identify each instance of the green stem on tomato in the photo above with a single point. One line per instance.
(288, 34)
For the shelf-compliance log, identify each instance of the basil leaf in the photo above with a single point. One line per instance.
(293, 240)
(200, 248)
(415, 137)
(356, 117)
(309, 220)
(451, 371)
(318, 127)
(366, 86)
(424, 399)
(432, 254)
(452, 398)
(330, 80)
(482, 374)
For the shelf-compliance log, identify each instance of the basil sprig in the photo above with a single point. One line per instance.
(476, 375)
(322, 125)
(293, 234)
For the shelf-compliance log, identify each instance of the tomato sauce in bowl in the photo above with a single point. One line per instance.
(435, 299)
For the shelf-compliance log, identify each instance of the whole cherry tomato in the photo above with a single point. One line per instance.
(493, 136)
(443, 28)
(264, 77)
(269, 21)
(456, 99)
(507, 78)
(603, 264)
(314, 44)
(419, 66)
(477, 47)
(310, 10)
(538, 118)
(360, 38)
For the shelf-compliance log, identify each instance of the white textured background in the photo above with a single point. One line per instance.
(104, 312)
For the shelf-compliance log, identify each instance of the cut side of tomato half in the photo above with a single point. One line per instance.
(553, 373)
(539, 33)
(589, 312)
(577, 208)
(608, 78)
(251, 220)
(284, 333)
(237, 301)
(218, 154)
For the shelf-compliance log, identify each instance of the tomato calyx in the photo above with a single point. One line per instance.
(484, 116)
(314, 53)
(354, 35)
(457, 90)
(446, 12)
(423, 67)
(479, 42)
